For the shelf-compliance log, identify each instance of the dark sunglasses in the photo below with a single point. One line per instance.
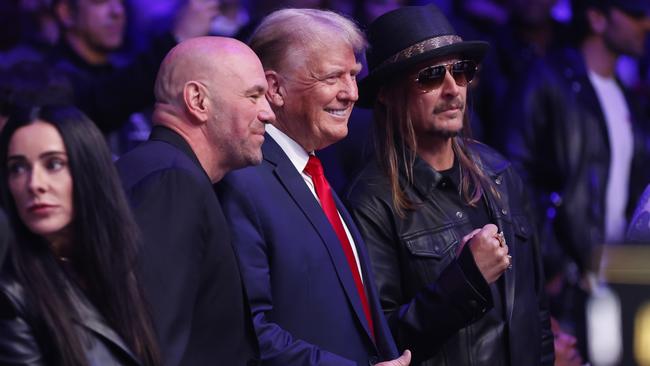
(432, 77)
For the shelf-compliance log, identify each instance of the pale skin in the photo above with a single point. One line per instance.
(433, 113)
(313, 95)
(566, 352)
(40, 183)
(210, 90)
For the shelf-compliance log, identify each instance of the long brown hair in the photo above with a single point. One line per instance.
(396, 148)
(105, 244)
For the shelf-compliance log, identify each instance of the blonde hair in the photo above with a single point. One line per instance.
(282, 32)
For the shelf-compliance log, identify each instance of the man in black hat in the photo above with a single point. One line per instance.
(444, 217)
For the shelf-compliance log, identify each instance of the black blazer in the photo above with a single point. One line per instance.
(24, 340)
(189, 269)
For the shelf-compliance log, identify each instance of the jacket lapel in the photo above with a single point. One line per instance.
(499, 208)
(94, 322)
(295, 186)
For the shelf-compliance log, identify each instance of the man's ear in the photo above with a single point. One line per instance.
(65, 14)
(276, 92)
(597, 20)
(195, 98)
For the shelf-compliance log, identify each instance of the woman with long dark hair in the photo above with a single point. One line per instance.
(68, 291)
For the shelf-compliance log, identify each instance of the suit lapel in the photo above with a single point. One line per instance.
(295, 186)
(383, 337)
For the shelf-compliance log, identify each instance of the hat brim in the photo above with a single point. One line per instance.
(369, 86)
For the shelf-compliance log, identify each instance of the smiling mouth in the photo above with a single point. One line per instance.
(337, 112)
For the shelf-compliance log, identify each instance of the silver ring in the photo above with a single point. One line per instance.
(502, 240)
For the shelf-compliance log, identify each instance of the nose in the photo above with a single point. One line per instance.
(266, 115)
(349, 90)
(449, 86)
(36, 182)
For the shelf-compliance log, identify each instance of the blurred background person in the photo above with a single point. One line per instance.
(529, 33)
(31, 83)
(69, 295)
(108, 88)
(639, 228)
(27, 29)
(580, 139)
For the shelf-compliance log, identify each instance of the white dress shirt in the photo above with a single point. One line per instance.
(299, 158)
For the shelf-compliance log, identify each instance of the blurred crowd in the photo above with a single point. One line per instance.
(563, 93)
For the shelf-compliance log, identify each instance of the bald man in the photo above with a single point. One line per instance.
(209, 118)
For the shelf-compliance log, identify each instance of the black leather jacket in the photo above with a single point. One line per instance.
(433, 300)
(24, 340)
(558, 140)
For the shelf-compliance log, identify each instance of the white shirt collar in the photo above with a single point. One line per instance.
(294, 151)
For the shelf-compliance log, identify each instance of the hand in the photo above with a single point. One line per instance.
(465, 239)
(403, 360)
(194, 19)
(491, 255)
(566, 353)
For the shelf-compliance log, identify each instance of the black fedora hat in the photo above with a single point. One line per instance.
(405, 37)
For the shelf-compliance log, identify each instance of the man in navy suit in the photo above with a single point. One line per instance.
(303, 261)
(209, 119)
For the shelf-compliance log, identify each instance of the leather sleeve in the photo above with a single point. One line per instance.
(18, 344)
(546, 342)
(424, 323)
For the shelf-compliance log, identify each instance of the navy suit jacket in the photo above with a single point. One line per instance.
(306, 308)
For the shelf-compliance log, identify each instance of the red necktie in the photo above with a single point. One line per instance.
(315, 170)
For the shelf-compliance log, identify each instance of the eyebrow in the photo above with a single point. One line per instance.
(342, 70)
(46, 154)
(255, 89)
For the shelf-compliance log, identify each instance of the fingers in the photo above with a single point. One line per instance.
(490, 229)
(466, 239)
(403, 360)
(490, 252)
(488, 233)
(469, 236)
(507, 262)
(500, 238)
